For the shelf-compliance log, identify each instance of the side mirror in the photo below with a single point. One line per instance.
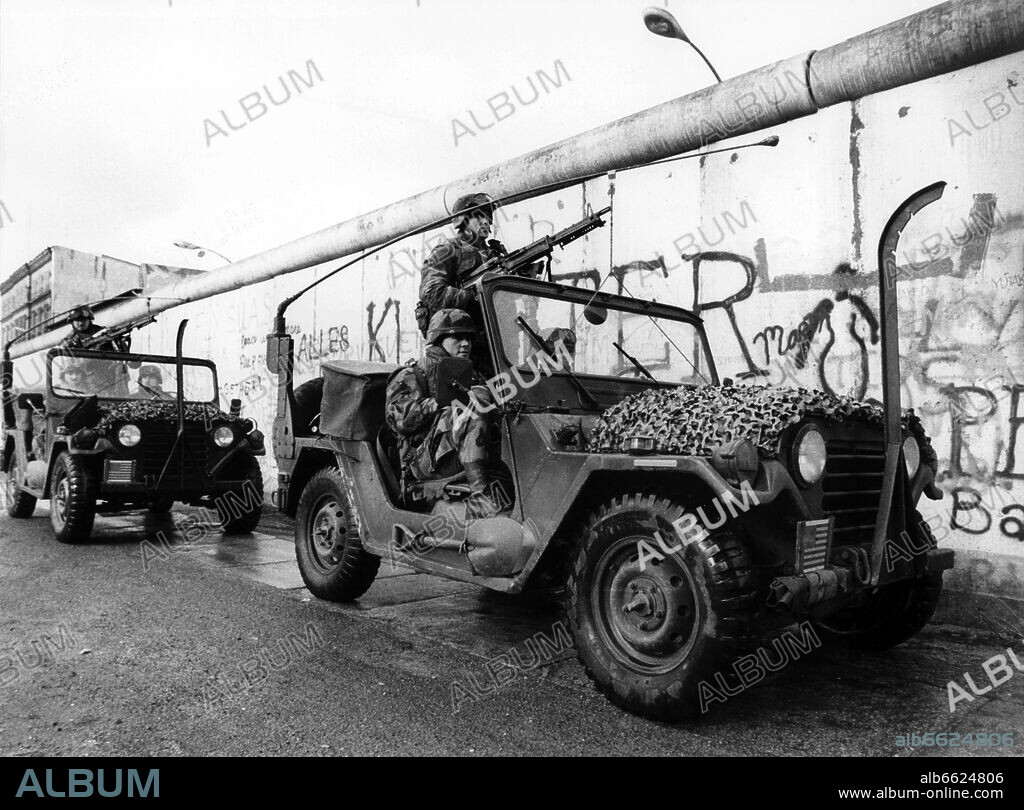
(595, 314)
(279, 353)
(31, 402)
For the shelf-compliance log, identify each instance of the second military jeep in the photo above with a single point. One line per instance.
(99, 438)
(688, 521)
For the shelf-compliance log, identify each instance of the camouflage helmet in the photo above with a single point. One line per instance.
(448, 322)
(468, 204)
(151, 371)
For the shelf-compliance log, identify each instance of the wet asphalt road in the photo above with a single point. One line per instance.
(217, 648)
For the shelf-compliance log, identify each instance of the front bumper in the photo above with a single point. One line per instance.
(848, 568)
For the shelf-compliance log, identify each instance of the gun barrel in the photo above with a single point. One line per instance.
(546, 244)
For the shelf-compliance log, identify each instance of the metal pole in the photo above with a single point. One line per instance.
(947, 37)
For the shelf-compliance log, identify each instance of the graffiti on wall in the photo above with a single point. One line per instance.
(960, 333)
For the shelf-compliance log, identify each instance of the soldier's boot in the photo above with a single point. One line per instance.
(479, 504)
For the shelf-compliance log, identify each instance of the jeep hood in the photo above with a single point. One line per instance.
(150, 411)
(694, 421)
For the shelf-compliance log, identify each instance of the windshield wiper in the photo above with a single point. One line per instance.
(74, 391)
(541, 344)
(636, 363)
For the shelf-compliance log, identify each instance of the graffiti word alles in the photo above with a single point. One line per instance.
(504, 108)
(312, 345)
(996, 108)
(254, 101)
(998, 672)
(689, 531)
(754, 668)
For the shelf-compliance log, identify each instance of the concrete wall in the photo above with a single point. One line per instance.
(821, 202)
(789, 294)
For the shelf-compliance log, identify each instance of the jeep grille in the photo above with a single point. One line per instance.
(852, 487)
(157, 440)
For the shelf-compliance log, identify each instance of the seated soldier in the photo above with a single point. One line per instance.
(151, 384)
(432, 441)
(73, 379)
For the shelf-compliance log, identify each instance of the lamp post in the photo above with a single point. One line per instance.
(661, 22)
(201, 251)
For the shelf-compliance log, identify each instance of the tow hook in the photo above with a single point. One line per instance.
(802, 590)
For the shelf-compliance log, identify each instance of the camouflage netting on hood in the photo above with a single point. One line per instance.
(694, 421)
(149, 411)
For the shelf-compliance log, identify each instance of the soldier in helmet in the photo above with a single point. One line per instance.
(433, 440)
(453, 260)
(151, 383)
(83, 328)
(74, 378)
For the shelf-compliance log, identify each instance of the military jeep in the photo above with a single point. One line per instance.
(615, 446)
(98, 440)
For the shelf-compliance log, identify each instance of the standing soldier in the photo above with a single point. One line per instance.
(432, 441)
(83, 328)
(451, 262)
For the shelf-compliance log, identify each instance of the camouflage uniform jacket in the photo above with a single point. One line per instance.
(445, 271)
(411, 410)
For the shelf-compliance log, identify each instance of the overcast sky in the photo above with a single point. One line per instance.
(103, 103)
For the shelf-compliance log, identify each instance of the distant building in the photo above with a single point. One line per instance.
(60, 278)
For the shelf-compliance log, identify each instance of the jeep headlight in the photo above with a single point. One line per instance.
(911, 455)
(223, 436)
(809, 454)
(129, 435)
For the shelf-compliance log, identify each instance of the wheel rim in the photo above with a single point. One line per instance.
(648, 619)
(59, 502)
(327, 531)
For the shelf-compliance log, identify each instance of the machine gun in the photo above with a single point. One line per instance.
(521, 262)
(112, 335)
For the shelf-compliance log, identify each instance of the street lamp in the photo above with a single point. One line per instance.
(661, 22)
(202, 251)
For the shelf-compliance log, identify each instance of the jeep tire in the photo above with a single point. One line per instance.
(648, 638)
(72, 498)
(892, 614)
(20, 504)
(333, 563)
(237, 513)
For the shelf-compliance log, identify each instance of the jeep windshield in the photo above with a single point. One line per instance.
(581, 331)
(129, 377)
